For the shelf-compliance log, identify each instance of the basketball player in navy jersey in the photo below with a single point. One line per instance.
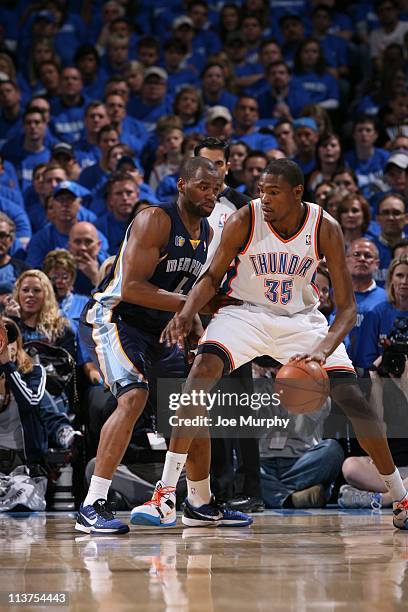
(161, 257)
(275, 245)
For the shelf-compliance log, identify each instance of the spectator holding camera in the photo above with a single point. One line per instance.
(379, 322)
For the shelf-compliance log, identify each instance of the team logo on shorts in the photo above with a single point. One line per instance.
(179, 241)
(308, 239)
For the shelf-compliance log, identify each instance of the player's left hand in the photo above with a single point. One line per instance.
(317, 355)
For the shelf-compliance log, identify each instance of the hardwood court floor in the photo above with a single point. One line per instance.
(290, 560)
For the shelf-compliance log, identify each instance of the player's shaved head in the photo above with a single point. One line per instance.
(192, 167)
(287, 169)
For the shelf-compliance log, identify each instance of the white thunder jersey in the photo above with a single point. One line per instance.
(277, 272)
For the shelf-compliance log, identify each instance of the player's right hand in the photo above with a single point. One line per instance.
(176, 330)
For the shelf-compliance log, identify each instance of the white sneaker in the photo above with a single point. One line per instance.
(350, 497)
(400, 512)
(160, 511)
(67, 436)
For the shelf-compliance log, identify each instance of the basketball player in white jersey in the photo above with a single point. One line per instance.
(275, 245)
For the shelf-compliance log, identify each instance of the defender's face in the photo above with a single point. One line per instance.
(201, 192)
(278, 198)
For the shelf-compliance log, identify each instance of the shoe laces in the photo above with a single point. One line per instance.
(104, 509)
(376, 502)
(403, 504)
(158, 494)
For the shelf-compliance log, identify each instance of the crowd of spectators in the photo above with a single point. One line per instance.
(100, 103)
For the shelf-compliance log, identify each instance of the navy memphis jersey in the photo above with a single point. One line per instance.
(177, 271)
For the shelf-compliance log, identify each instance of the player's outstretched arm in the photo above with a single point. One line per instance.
(202, 297)
(148, 238)
(333, 248)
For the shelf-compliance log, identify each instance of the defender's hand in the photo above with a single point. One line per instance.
(177, 330)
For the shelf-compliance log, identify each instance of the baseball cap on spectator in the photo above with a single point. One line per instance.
(70, 186)
(183, 20)
(218, 112)
(306, 122)
(62, 148)
(155, 71)
(399, 159)
(126, 159)
(45, 16)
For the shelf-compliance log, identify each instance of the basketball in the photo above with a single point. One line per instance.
(303, 386)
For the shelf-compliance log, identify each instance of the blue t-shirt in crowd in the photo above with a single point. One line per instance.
(318, 87)
(18, 215)
(225, 98)
(113, 229)
(67, 122)
(69, 36)
(49, 238)
(86, 154)
(93, 177)
(296, 99)
(9, 273)
(37, 215)
(176, 80)
(24, 161)
(307, 167)
(376, 327)
(166, 190)
(71, 307)
(258, 141)
(366, 301)
(147, 113)
(8, 177)
(367, 170)
(335, 50)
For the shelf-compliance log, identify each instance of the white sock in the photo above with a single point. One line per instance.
(199, 492)
(98, 489)
(173, 467)
(394, 484)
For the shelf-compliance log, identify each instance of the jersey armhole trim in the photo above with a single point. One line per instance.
(318, 253)
(251, 229)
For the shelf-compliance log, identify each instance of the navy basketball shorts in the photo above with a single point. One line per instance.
(127, 357)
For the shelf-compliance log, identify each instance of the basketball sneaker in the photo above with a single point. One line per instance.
(350, 497)
(400, 514)
(160, 511)
(99, 519)
(210, 515)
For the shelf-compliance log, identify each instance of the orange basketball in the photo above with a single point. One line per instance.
(303, 386)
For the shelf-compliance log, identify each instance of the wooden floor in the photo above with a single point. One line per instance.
(290, 560)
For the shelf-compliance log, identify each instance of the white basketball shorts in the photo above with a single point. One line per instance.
(238, 334)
